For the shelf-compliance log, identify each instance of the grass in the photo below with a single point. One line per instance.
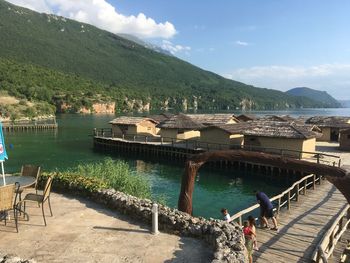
(117, 175)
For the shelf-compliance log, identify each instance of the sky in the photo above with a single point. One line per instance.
(278, 44)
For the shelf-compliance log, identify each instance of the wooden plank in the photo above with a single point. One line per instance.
(301, 228)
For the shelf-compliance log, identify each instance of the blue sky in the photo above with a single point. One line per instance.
(276, 44)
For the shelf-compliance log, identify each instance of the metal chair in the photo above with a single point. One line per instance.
(8, 200)
(40, 199)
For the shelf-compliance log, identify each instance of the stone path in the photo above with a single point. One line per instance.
(302, 227)
(82, 231)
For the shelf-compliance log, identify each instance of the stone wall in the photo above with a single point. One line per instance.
(5, 258)
(226, 239)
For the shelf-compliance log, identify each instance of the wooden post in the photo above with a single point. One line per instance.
(314, 182)
(297, 193)
(279, 205)
(319, 253)
(288, 201)
(340, 225)
(331, 240)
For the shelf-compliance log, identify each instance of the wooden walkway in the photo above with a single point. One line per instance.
(301, 228)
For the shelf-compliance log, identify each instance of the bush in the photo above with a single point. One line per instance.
(89, 178)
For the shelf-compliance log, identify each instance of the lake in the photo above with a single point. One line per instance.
(71, 145)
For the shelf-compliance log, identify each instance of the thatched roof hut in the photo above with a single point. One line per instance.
(329, 121)
(279, 130)
(127, 120)
(161, 117)
(126, 125)
(181, 122)
(283, 118)
(246, 117)
(213, 119)
(236, 128)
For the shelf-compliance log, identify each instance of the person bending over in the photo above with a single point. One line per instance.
(266, 210)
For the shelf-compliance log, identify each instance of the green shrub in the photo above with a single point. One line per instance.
(89, 178)
(68, 182)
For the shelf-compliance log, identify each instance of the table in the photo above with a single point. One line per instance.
(24, 181)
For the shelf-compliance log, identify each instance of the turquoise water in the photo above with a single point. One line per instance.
(71, 144)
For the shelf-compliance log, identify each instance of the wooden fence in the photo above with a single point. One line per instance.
(285, 198)
(45, 124)
(326, 247)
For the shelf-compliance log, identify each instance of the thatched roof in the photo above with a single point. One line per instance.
(212, 119)
(234, 128)
(280, 130)
(246, 117)
(126, 120)
(161, 117)
(180, 121)
(284, 118)
(329, 121)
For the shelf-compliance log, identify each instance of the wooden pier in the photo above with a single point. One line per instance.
(312, 216)
(49, 124)
(175, 149)
(312, 213)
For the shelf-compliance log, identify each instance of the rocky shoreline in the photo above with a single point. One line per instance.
(5, 258)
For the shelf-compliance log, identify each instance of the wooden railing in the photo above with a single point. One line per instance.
(210, 146)
(326, 247)
(285, 198)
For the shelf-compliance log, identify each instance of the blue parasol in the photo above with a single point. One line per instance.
(3, 154)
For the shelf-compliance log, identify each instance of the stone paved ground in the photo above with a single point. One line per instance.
(82, 231)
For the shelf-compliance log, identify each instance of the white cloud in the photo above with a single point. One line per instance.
(333, 78)
(103, 15)
(242, 43)
(37, 5)
(175, 49)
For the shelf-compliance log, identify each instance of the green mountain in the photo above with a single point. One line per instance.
(72, 65)
(320, 96)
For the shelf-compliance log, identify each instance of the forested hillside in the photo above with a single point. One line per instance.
(64, 62)
(320, 96)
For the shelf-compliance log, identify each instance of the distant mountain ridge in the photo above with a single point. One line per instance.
(345, 103)
(72, 65)
(145, 44)
(320, 96)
